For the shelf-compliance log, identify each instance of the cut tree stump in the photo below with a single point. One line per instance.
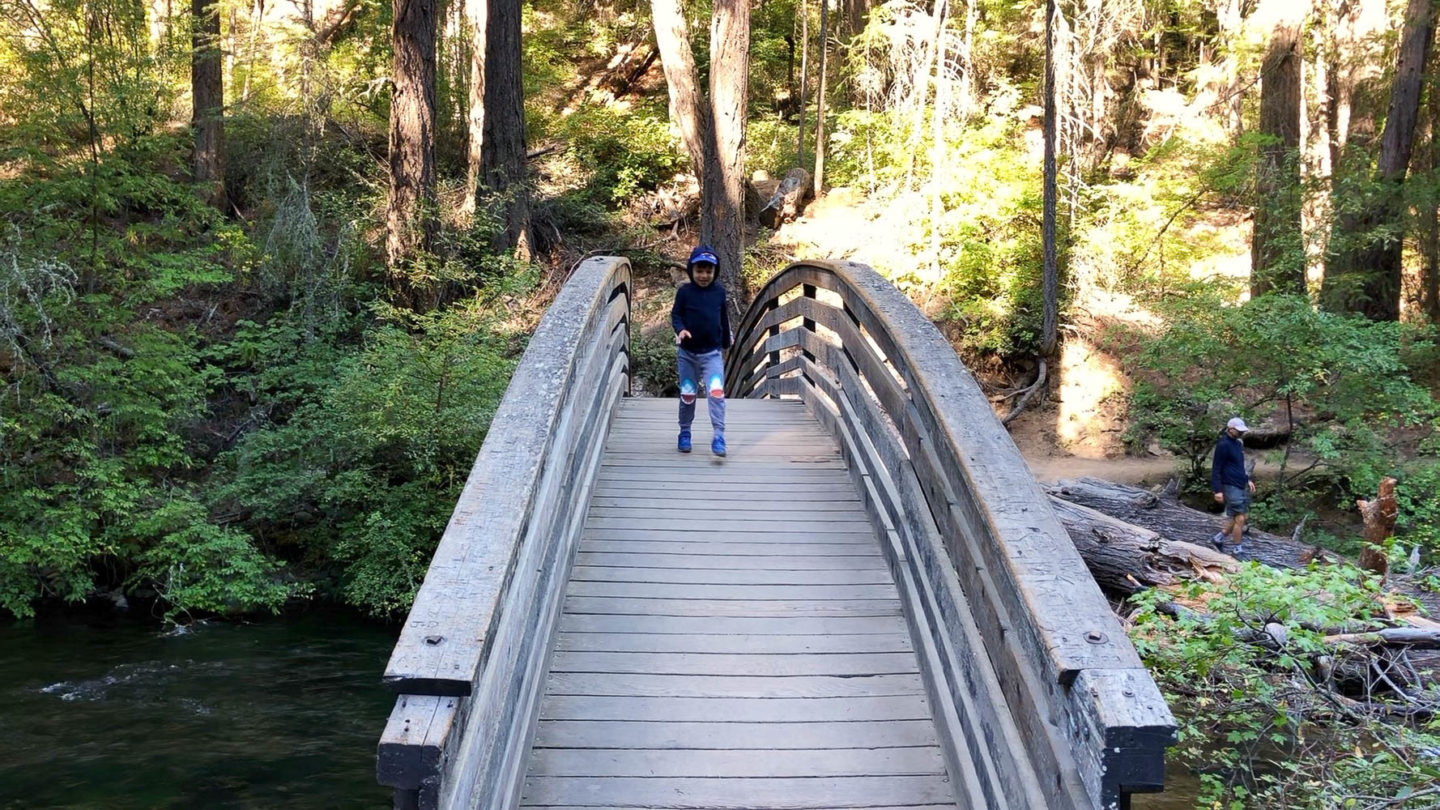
(1171, 519)
(784, 205)
(1379, 518)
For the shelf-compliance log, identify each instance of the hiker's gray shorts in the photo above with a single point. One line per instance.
(1237, 500)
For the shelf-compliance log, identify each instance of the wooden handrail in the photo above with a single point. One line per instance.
(471, 658)
(999, 600)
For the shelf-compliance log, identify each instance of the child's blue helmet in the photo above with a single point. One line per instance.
(702, 253)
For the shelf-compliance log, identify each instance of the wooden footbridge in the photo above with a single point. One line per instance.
(867, 604)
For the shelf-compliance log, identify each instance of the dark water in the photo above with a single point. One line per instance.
(1182, 792)
(282, 713)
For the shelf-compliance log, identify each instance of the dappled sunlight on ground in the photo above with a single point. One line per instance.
(1090, 417)
(844, 225)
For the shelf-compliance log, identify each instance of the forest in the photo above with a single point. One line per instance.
(265, 269)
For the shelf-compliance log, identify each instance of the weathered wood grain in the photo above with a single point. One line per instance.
(738, 710)
(628, 556)
(753, 794)
(659, 590)
(735, 644)
(728, 764)
(734, 608)
(663, 548)
(782, 664)
(817, 686)
(720, 576)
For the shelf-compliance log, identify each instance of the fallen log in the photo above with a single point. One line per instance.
(1125, 558)
(1390, 637)
(1168, 517)
(784, 205)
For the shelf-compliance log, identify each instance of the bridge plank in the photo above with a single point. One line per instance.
(718, 763)
(690, 502)
(755, 794)
(950, 806)
(628, 556)
(738, 521)
(734, 736)
(665, 548)
(766, 512)
(735, 710)
(729, 625)
(786, 664)
(725, 531)
(732, 607)
(863, 576)
(623, 684)
(660, 590)
(736, 491)
(739, 644)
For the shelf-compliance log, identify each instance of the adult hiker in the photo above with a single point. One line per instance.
(1231, 483)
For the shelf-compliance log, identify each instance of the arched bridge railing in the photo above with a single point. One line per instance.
(999, 600)
(470, 664)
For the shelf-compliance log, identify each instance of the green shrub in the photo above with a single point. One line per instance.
(361, 477)
(1263, 726)
(623, 154)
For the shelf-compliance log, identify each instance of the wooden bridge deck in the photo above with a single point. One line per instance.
(732, 636)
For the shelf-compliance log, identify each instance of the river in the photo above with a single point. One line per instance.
(275, 713)
(120, 715)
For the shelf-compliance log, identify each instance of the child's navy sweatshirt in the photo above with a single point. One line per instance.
(702, 311)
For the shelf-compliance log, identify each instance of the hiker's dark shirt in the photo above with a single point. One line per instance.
(1229, 467)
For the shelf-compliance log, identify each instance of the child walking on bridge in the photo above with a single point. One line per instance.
(702, 332)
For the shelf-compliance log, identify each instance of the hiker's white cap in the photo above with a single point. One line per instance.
(1238, 424)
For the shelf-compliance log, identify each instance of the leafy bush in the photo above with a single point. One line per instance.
(652, 360)
(1340, 384)
(362, 476)
(1263, 725)
(624, 154)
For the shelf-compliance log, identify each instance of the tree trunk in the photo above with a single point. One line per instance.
(724, 186)
(1050, 283)
(1169, 517)
(966, 101)
(410, 224)
(502, 151)
(207, 83)
(1430, 216)
(937, 156)
(804, 77)
(477, 13)
(687, 113)
(1277, 260)
(1125, 558)
(1231, 19)
(257, 16)
(1365, 273)
(855, 13)
(820, 99)
(1315, 165)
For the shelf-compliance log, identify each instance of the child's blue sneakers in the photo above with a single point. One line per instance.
(718, 446)
(683, 443)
